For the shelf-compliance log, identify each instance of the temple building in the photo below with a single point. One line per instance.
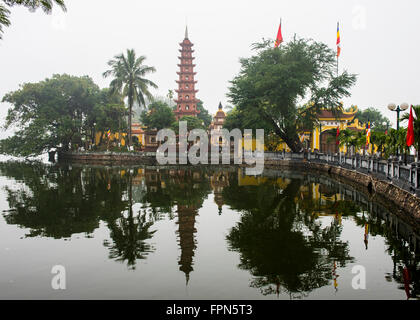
(218, 119)
(217, 125)
(137, 130)
(321, 138)
(187, 101)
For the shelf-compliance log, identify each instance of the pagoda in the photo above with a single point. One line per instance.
(187, 101)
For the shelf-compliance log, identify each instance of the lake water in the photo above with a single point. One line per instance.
(201, 233)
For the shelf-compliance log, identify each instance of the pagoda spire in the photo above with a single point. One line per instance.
(186, 100)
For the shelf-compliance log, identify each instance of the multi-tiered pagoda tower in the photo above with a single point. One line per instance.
(186, 102)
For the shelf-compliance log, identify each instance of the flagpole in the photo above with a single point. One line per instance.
(337, 66)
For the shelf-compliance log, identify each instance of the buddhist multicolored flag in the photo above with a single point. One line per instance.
(410, 130)
(279, 38)
(368, 133)
(338, 40)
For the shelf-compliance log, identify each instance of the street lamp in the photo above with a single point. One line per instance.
(398, 109)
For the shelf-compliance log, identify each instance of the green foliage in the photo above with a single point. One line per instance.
(378, 138)
(129, 72)
(248, 119)
(376, 118)
(245, 119)
(158, 116)
(396, 141)
(272, 249)
(204, 114)
(49, 114)
(109, 113)
(32, 5)
(271, 84)
(192, 123)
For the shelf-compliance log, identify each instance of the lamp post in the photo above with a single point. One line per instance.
(398, 109)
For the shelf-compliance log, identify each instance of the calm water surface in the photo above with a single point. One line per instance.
(204, 233)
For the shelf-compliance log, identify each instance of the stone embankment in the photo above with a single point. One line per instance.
(109, 158)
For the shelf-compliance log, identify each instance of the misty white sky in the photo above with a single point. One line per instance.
(379, 42)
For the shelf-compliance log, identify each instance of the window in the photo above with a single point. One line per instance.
(187, 97)
(187, 77)
(187, 107)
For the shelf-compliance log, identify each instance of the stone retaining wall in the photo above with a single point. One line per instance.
(109, 158)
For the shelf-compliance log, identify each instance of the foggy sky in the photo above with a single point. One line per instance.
(379, 42)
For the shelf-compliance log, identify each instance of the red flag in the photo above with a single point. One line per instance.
(279, 38)
(338, 136)
(410, 131)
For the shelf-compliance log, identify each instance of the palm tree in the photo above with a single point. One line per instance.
(346, 138)
(396, 141)
(391, 142)
(378, 139)
(129, 80)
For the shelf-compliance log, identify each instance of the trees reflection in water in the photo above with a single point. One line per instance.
(283, 247)
(280, 238)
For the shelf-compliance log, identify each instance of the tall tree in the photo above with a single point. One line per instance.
(274, 83)
(50, 114)
(45, 5)
(129, 74)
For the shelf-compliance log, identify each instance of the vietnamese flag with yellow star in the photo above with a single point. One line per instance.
(410, 130)
(279, 38)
